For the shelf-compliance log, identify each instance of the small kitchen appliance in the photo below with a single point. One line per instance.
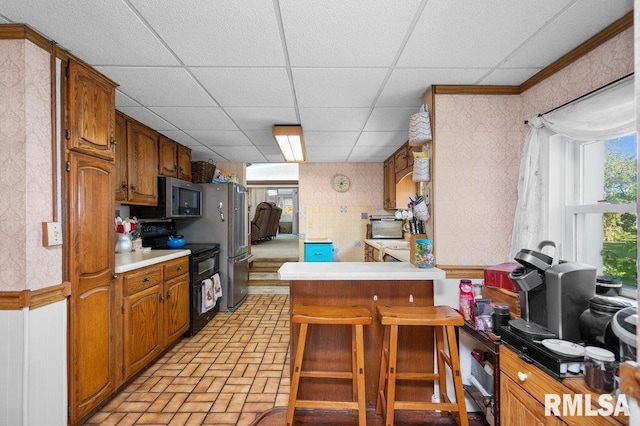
(176, 199)
(386, 226)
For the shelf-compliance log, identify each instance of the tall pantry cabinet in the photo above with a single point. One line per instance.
(90, 259)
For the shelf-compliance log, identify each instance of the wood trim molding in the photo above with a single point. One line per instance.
(32, 299)
(463, 271)
(453, 89)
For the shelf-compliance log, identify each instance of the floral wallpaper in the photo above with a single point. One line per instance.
(479, 141)
(25, 168)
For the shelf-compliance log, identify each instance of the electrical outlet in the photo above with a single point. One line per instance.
(51, 234)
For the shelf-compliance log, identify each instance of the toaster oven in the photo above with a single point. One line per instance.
(388, 227)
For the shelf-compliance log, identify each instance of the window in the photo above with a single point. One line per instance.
(593, 187)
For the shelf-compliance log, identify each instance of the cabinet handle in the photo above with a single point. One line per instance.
(375, 297)
(160, 298)
(123, 185)
(113, 141)
(522, 376)
(411, 298)
(168, 294)
(114, 276)
(179, 268)
(133, 187)
(145, 279)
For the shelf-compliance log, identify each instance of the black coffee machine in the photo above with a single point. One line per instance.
(553, 295)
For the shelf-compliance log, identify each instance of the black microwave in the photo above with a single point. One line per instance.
(176, 199)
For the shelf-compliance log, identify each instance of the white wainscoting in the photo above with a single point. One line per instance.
(33, 366)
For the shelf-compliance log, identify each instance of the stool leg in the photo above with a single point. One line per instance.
(297, 369)
(362, 408)
(391, 374)
(457, 377)
(442, 368)
(383, 370)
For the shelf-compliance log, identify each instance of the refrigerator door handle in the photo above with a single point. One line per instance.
(221, 213)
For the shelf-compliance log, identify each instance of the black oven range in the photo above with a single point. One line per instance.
(204, 269)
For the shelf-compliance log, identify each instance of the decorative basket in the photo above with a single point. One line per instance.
(422, 169)
(420, 127)
(202, 171)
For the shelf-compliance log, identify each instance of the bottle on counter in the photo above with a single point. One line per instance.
(424, 253)
(467, 300)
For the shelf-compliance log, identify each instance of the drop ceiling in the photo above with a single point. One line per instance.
(217, 75)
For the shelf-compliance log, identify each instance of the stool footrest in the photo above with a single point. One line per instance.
(336, 405)
(429, 377)
(419, 405)
(327, 374)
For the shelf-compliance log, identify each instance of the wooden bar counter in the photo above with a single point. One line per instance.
(368, 284)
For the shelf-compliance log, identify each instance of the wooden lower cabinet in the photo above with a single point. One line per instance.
(155, 312)
(523, 387)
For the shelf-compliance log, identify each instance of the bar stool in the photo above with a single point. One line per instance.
(440, 318)
(357, 317)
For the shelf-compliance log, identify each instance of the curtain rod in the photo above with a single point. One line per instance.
(584, 96)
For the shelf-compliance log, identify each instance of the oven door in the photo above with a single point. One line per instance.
(204, 265)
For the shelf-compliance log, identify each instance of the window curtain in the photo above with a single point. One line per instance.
(607, 113)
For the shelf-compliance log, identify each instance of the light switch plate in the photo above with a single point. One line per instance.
(51, 234)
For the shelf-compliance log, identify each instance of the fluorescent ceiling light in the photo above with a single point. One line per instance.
(291, 142)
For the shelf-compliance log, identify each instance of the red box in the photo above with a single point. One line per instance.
(498, 276)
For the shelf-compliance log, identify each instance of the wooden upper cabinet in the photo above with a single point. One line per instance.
(142, 164)
(167, 157)
(121, 178)
(184, 163)
(90, 112)
(174, 160)
(389, 185)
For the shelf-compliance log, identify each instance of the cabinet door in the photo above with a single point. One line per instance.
(518, 407)
(401, 159)
(90, 112)
(143, 331)
(121, 177)
(142, 169)
(184, 163)
(90, 263)
(167, 157)
(389, 188)
(176, 307)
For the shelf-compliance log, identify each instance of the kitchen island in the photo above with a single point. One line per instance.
(367, 284)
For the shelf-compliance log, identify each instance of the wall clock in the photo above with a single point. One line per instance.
(341, 183)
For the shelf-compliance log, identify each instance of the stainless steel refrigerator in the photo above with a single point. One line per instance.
(225, 220)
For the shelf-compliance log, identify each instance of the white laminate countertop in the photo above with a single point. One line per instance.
(351, 271)
(126, 262)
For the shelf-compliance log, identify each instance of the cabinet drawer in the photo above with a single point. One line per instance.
(536, 382)
(141, 279)
(175, 268)
(318, 252)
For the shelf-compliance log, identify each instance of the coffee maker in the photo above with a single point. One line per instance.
(552, 295)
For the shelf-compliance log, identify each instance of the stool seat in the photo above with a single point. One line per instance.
(415, 315)
(318, 315)
(337, 315)
(442, 320)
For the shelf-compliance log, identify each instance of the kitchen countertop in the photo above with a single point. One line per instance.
(352, 271)
(394, 248)
(126, 262)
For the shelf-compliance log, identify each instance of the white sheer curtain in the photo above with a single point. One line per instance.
(606, 113)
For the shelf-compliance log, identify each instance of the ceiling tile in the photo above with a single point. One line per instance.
(330, 139)
(370, 154)
(345, 33)
(509, 76)
(181, 137)
(123, 100)
(158, 86)
(99, 32)
(247, 87)
(261, 138)
(202, 153)
(261, 118)
(240, 154)
(451, 34)
(406, 85)
(322, 155)
(196, 118)
(221, 32)
(147, 117)
(391, 139)
(578, 23)
(339, 119)
(219, 138)
(333, 87)
(390, 119)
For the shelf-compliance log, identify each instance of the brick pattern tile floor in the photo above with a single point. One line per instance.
(227, 374)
